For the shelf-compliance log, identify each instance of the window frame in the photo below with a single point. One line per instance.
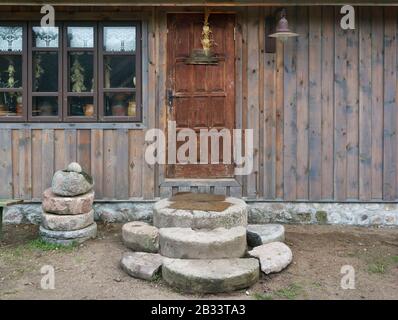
(65, 72)
(62, 94)
(139, 65)
(31, 93)
(23, 116)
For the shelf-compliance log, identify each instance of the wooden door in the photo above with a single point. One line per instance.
(203, 95)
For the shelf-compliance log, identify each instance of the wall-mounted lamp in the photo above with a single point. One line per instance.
(282, 31)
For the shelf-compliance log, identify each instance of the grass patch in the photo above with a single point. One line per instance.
(290, 292)
(394, 259)
(45, 246)
(377, 267)
(262, 296)
(157, 278)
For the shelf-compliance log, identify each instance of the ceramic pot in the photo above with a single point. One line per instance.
(46, 109)
(131, 110)
(118, 110)
(89, 110)
(19, 109)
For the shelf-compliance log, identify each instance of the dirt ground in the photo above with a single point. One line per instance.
(91, 270)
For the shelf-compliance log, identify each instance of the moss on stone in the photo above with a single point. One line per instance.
(321, 217)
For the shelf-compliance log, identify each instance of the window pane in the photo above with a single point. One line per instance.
(45, 71)
(119, 72)
(119, 39)
(120, 104)
(11, 71)
(81, 72)
(44, 106)
(81, 37)
(11, 104)
(45, 37)
(81, 106)
(10, 38)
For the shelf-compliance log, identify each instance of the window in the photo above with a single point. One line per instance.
(72, 72)
(12, 73)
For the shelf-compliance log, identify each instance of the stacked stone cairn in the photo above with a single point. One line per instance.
(199, 244)
(68, 215)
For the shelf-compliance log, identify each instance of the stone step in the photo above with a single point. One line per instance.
(185, 243)
(210, 276)
(233, 216)
(258, 234)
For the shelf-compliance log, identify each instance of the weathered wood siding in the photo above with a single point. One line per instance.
(329, 129)
(324, 110)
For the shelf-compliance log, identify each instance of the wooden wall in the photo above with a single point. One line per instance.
(327, 115)
(324, 110)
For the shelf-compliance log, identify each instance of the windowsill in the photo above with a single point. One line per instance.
(63, 125)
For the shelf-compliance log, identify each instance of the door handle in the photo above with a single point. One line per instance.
(170, 99)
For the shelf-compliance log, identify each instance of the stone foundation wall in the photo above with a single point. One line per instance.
(357, 214)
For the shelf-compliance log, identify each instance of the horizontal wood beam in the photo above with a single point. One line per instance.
(196, 3)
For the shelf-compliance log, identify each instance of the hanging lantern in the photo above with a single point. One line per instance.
(283, 32)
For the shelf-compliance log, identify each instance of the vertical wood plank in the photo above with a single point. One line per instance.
(84, 149)
(136, 159)
(122, 164)
(109, 164)
(315, 103)
(60, 146)
(240, 75)
(71, 146)
(279, 120)
(302, 103)
(37, 186)
(22, 152)
(327, 102)
(6, 161)
(365, 105)
(340, 95)
(260, 85)
(390, 103)
(270, 126)
(253, 97)
(377, 102)
(352, 112)
(97, 161)
(48, 157)
(149, 49)
(290, 115)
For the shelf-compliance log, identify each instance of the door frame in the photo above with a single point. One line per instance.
(168, 185)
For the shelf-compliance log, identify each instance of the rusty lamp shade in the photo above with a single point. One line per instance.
(282, 28)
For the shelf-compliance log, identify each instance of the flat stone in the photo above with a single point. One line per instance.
(68, 237)
(67, 222)
(70, 184)
(258, 234)
(67, 205)
(185, 243)
(140, 236)
(210, 276)
(233, 216)
(141, 265)
(274, 256)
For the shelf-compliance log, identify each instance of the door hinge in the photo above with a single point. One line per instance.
(234, 33)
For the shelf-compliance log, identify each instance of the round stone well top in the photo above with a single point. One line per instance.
(200, 211)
